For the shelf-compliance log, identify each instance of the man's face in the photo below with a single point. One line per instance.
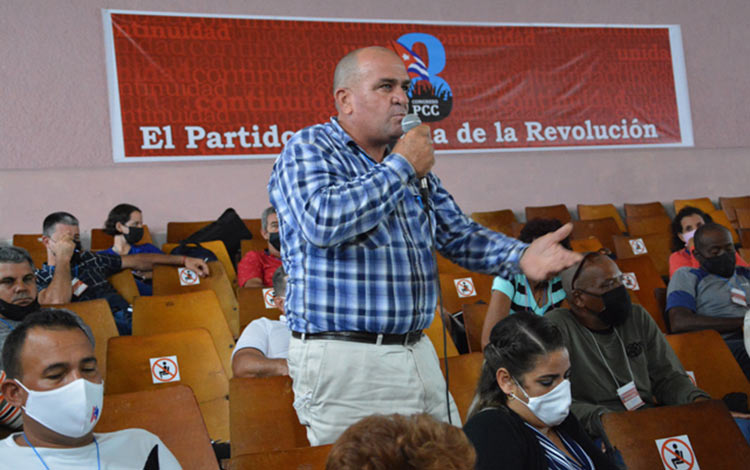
(599, 275)
(714, 243)
(272, 225)
(377, 101)
(61, 232)
(52, 358)
(17, 283)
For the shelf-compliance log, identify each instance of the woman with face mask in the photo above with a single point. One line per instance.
(684, 225)
(125, 224)
(520, 416)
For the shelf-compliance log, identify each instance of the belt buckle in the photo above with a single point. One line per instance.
(408, 338)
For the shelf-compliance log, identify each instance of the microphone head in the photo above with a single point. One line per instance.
(409, 122)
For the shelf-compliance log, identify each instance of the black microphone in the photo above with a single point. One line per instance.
(409, 122)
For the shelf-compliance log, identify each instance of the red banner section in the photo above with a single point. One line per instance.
(208, 87)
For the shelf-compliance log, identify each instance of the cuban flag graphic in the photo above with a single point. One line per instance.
(415, 66)
(94, 413)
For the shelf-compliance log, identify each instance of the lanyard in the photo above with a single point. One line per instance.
(98, 460)
(10, 327)
(627, 361)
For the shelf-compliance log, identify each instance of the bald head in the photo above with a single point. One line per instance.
(348, 69)
(710, 234)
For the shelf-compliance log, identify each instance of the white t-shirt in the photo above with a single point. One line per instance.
(128, 449)
(271, 337)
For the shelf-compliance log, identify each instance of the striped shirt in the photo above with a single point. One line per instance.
(521, 295)
(10, 416)
(559, 460)
(355, 240)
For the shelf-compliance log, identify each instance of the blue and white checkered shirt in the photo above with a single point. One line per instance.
(355, 239)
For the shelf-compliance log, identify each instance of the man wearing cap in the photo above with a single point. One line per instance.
(619, 358)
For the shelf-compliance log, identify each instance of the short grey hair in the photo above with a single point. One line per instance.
(264, 217)
(15, 255)
(51, 221)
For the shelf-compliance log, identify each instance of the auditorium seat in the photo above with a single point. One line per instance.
(262, 416)
(172, 413)
(586, 245)
(474, 315)
(715, 438)
(435, 334)
(745, 254)
(103, 241)
(168, 313)
(658, 248)
(644, 209)
(305, 458)
(602, 229)
(647, 279)
(649, 224)
(558, 211)
(494, 219)
(255, 244)
(463, 375)
(730, 204)
(178, 231)
(708, 356)
(742, 217)
(33, 244)
(98, 316)
(253, 306)
(218, 248)
(702, 203)
(721, 218)
(462, 287)
(167, 281)
(446, 266)
(124, 284)
(601, 211)
(129, 369)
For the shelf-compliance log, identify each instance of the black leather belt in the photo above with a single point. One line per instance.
(405, 339)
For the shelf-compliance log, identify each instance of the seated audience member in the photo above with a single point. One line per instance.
(53, 377)
(684, 225)
(521, 416)
(125, 224)
(71, 274)
(397, 442)
(616, 349)
(17, 300)
(520, 294)
(256, 268)
(713, 295)
(263, 345)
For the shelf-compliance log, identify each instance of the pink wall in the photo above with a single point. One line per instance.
(56, 149)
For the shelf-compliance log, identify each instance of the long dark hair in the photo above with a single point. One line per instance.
(516, 343)
(686, 211)
(119, 213)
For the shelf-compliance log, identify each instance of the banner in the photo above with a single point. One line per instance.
(208, 87)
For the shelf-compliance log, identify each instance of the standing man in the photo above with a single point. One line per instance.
(357, 245)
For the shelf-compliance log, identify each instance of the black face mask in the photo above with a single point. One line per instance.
(134, 235)
(721, 265)
(76, 258)
(17, 312)
(617, 306)
(275, 240)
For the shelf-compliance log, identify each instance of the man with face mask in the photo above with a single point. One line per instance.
(257, 267)
(620, 360)
(72, 274)
(715, 295)
(53, 377)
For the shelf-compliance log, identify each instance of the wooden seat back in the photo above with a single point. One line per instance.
(585, 245)
(445, 266)
(716, 440)
(255, 244)
(557, 211)
(262, 417)
(702, 203)
(33, 244)
(707, 355)
(731, 204)
(102, 241)
(129, 369)
(602, 229)
(305, 458)
(601, 211)
(98, 316)
(171, 413)
(464, 371)
(658, 247)
(253, 306)
(219, 249)
(457, 290)
(166, 281)
(721, 218)
(124, 284)
(647, 279)
(474, 315)
(644, 209)
(494, 219)
(168, 313)
(649, 224)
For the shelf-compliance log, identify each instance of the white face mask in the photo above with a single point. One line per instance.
(71, 410)
(687, 236)
(551, 408)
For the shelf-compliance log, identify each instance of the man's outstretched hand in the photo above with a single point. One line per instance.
(545, 257)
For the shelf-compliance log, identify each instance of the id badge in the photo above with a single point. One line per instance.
(629, 396)
(738, 297)
(79, 287)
